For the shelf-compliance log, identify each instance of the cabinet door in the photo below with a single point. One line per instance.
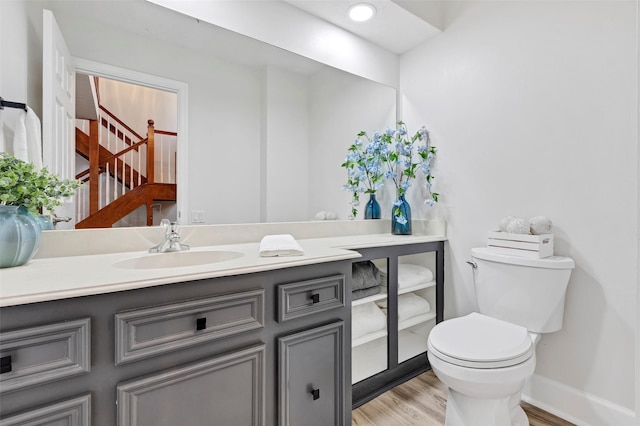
(311, 377)
(73, 412)
(224, 390)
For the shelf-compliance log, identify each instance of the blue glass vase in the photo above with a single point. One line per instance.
(372, 208)
(401, 217)
(19, 236)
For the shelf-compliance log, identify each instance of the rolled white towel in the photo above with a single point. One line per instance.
(504, 222)
(280, 245)
(518, 226)
(326, 215)
(366, 318)
(540, 225)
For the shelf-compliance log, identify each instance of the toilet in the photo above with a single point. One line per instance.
(486, 358)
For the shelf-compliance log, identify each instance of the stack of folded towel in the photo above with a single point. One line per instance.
(366, 318)
(409, 306)
(365, 279)
(410, 275)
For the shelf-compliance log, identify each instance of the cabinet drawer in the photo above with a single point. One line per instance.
(73, 412)
(36, 355)
(143, 333)
(308, 297)
(311, 377)
(225, 390)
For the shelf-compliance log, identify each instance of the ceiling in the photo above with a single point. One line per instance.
(398, 25)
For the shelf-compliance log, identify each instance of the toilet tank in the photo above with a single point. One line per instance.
(523, 291)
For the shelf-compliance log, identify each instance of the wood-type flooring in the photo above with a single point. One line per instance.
(422, 401)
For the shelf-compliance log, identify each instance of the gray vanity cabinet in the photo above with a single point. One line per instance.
(197, 353)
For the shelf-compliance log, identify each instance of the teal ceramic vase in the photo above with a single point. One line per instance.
(19, 236)
(44, 222)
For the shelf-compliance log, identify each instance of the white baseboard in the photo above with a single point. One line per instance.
(575, 406)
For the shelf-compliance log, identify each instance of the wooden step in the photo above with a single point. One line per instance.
(142, 195)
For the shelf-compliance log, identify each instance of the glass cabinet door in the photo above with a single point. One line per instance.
(416, 303)
(368, 319)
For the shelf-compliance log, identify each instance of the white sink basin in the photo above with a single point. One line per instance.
(177, 259)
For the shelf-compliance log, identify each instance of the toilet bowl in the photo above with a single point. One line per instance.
(486, 358)
(484, 380)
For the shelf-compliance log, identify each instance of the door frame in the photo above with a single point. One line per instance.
(181, 89)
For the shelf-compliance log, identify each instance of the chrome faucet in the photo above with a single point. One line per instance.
(171, 239)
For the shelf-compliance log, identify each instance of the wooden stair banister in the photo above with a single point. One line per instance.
(112, 128)
(82, 148)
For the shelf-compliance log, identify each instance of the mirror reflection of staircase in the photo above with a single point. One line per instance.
(129, 179)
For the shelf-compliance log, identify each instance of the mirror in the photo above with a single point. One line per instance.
(268, 129)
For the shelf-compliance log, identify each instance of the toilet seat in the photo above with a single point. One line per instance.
(480, 341)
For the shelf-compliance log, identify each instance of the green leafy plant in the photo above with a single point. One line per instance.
(22, 185)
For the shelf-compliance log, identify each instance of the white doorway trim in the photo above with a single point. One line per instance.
(181, 89)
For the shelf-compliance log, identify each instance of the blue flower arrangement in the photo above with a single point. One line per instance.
(400, 155)
(364, 164)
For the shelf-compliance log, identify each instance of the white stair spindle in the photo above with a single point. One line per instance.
(161, 140)
(107, 170)
(131, 170)
(115, 168)
(139, 164)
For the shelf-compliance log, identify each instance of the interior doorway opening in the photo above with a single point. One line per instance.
(130, 174)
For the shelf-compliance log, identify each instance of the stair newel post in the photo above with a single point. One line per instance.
(94, 166)
(151, 157)
(150, 152)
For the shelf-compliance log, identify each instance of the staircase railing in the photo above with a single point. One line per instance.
(120, 160)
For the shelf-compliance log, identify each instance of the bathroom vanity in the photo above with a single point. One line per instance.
(114, 338)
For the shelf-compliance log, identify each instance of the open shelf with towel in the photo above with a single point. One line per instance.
(390, 327)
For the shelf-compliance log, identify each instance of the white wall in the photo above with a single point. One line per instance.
(533, 107)
(136, 104)
(334, 124)
(286, 147)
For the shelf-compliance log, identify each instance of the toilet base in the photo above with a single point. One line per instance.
(463, 410)
(484, 397)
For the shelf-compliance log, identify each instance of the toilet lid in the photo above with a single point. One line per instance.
(479, 341)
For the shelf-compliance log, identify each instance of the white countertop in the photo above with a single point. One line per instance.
(54, 278)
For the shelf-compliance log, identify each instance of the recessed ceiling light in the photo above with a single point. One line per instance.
(361, 12)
